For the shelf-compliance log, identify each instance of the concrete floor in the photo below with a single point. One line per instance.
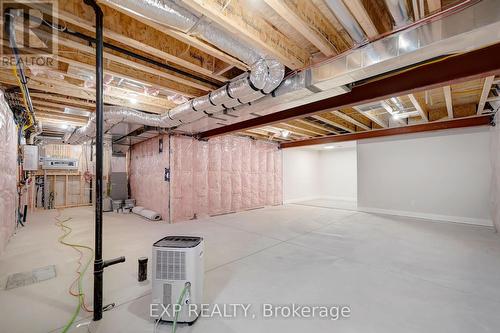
(396, 274)
(330, 203)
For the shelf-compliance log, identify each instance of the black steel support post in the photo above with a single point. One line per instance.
(99, 264)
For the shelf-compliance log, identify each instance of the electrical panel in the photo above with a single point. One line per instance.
(30, 158)
(60, 163)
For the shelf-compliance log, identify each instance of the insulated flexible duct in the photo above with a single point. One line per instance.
(264, 76)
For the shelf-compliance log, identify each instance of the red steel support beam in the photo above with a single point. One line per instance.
(426, 127)
(459, 68)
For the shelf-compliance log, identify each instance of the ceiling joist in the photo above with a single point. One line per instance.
(114, 96)
(252, 29)
(350, 119)
(133, 33)
(488, 82)
(449, 101)
(304, 17)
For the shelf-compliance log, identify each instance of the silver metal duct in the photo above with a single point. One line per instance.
(399, 12)
(466, 30)
(348, 22)
(264, 76)
(114, 115)
(265, 73)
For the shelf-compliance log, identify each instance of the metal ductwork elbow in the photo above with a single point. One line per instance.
(264, 76)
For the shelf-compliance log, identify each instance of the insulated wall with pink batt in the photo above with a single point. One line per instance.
(147, 175)
(8, 180)
(222, 175)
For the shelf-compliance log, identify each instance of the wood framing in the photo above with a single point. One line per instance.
(361, 15)
(114, 96)
(65, 100)
(483, 120)
(416, 104)
(253, 29)
(455, 69)
(133, 33)
(304, 17)
(305, 128)
(228, 60)
(350, 119)
(485, 93)
(311, 124)
(327, 118)
(374, 118)
(449, 101)
(433, 5)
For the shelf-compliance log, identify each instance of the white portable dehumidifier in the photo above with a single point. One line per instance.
(178, 273)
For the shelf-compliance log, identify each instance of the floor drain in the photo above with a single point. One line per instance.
(22, 279)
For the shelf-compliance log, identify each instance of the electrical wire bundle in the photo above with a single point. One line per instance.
(80, 271)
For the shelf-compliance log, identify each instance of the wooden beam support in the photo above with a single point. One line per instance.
(191, 40)
(58, 116)
(330, 121)
(308, 127)
(223, 69)
(361, 15)
(485, 93)
(300, 130)
(416, 11)
(68, 89)
(311, 124)
(304, 17)
(133, 33)
(350, 119)
(70, 102)
(85, 61)
(416, 104)
(54, 120)
(134, 65)
(253, 29)
(459, 68)
(71, 50)
(449, 101)
(433, 5)
(262, 136)
(482, 120)
(279, 128)
(374, 118)
(379, 14)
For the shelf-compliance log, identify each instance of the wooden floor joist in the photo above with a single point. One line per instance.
(459, 68)
(131, 32)
(483, 120)
(252, 29)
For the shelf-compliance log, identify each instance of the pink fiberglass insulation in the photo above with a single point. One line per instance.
(147, 172)
(8, 165)
(225, 174)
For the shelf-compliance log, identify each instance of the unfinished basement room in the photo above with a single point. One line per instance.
(242, 166)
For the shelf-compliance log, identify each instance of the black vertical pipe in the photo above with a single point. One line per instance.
(99, 264)
(99, 144)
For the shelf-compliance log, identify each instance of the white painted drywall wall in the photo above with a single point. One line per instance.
(441, 175)
(315, 173)
(495, 171)
(301, 179)
(338, 172)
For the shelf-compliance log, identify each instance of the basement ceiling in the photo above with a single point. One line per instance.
(152, 68)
